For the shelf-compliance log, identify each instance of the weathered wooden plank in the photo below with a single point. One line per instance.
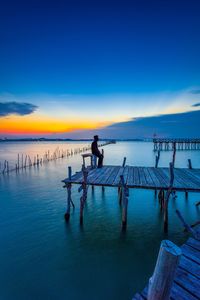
(188, 180)
(138, 297)
(92, 178)
(165, 179)
(136, 177)
(162, 183)
(177, 182)
(143, 181)
(113, 175)
(154, 177)
(179, 293)
(109, 175)
(196, 173)
(188, 282)
(117, 178)
(191, 176)
(194, 244)
(149, 179)
(103, 175)
(125, 173)
(190, 266)
(130, 179)
(191, 253)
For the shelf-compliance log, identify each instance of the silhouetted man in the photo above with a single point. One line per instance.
(96, 152)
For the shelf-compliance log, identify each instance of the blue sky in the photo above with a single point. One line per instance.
(120, 59)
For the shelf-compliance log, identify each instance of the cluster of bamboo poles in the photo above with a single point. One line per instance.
(25, 161)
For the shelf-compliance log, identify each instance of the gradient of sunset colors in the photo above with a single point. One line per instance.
(72, 66)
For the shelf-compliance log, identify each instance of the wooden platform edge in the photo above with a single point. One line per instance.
(186, 284)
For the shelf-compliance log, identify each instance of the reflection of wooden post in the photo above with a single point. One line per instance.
(160, 283)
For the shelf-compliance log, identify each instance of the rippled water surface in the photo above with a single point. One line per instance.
(41, 257)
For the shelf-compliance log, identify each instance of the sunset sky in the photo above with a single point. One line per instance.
(68, 67)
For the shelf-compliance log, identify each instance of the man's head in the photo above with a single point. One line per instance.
(96, 138)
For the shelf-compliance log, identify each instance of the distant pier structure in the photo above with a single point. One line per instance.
(167, 144)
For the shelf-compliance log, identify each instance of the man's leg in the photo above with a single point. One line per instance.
(100, 161)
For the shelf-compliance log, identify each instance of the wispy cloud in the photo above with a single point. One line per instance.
(8, 108)
(196, 104)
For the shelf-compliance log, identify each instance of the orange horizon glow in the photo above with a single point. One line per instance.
(34, 124)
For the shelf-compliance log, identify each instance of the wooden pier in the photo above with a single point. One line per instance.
(177, 272)
(140, 177)
(181, 144)
(164, 180)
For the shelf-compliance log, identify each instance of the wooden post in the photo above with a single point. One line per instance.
(160, 283)
(84, 195)
(70, 173)
(187, 226)
(124, 191)
(124, 162)
(157, 159)
(161, 198)
(120, 195)
(18, 161)
(189, 164)
(174, 153)
(167, 197)
(67, 214)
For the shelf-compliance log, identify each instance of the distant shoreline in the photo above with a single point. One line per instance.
(70, 140)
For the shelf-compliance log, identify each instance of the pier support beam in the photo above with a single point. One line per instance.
(157, 159)
(84, 188)
(69, 200)
(169, 191)
(160, 283)
(125, 194)
(189, 164)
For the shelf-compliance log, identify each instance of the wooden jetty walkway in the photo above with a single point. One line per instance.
(140, 177)
(164, 180)
(181, 144)
(177, 272)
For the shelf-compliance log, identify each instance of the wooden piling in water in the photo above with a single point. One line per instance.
(84, 194)
(160, 283)
(124, 192)
(168, 193)
(157, 159)
(189, 164)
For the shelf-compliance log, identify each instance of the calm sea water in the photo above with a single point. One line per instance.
(41, 257)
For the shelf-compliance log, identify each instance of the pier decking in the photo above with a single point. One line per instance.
(140, 177)
(186, 283)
